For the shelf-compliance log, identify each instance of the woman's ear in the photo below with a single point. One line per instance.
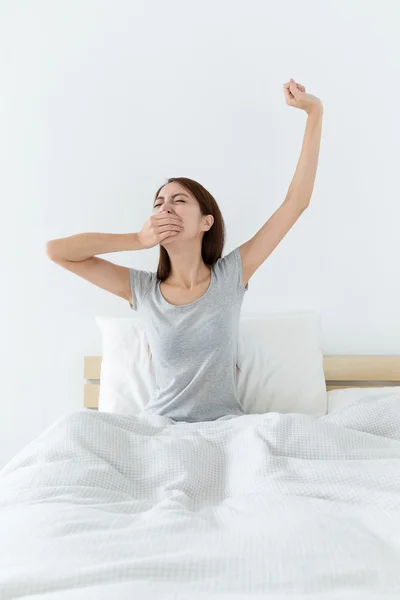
(210, 221)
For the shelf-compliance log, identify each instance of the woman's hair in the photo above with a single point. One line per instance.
(213, 240)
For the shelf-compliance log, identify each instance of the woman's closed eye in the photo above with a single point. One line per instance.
(155, 206)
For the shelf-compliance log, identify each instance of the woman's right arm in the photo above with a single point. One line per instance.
(77, 254)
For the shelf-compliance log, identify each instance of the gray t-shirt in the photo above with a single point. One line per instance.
(193, 346)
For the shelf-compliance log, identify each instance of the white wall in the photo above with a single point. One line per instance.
(101, 102)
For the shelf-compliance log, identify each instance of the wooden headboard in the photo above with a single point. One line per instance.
(340, 372)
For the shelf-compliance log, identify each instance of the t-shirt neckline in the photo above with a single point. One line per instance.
(189, 303)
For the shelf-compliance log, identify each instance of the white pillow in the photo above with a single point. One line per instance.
(279, 357)
(126, 377)
(281, 363)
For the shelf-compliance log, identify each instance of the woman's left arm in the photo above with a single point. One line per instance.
(302, 184)
(257, 249)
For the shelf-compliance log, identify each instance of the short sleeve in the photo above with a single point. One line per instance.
(140, 282)
(230, 268)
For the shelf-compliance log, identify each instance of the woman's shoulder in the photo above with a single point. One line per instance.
(228, 263)
(229, 270)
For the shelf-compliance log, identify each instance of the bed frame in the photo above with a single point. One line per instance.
(341, 371)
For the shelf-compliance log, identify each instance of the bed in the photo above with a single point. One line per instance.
(273, 505)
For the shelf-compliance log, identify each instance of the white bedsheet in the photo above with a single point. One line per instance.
(340, 398)
(274, 505)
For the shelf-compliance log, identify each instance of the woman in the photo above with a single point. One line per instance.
(191, 305)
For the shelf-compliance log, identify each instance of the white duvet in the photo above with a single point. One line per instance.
(260, 506)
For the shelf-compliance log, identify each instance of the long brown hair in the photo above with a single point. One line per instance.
(213, 240)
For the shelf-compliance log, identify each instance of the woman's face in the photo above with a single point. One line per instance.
(173, 199)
